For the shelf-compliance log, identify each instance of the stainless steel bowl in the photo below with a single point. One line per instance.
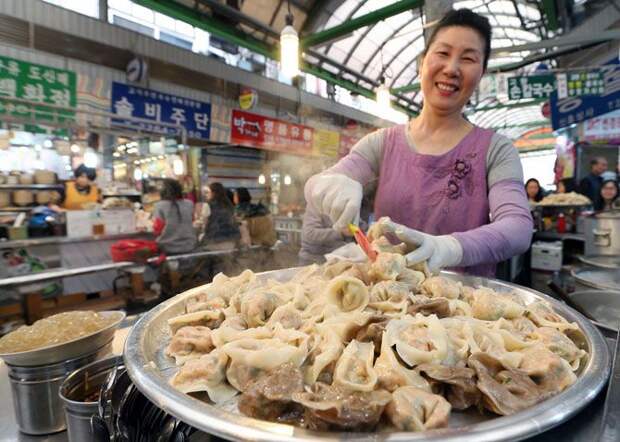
(150, 371)
(67, 350)
(598, 278)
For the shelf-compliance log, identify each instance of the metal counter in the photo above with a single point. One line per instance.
(25, 243)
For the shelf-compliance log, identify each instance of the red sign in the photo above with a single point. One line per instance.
(267, 133)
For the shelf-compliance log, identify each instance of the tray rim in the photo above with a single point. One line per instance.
(217, 421)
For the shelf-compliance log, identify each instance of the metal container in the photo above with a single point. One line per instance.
(76, 388)
(601, 305)
(38, 407)
(66, 350)
(151, 370)
(604, 261)
(603, 233)
(598, 278)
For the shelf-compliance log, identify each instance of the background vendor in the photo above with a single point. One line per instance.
(81, 192)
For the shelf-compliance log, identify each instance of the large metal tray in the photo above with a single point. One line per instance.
(150, 370)
(67, 350)
(598, 278)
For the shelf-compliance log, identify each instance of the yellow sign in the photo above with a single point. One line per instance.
(247, 98)
(325, 143)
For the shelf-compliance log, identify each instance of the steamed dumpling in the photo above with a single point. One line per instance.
(348, 294)
(419, 339)
(412, 409)
(490, 305)
(354, 370)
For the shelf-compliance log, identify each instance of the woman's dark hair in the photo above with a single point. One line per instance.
(172, 191)
(569, 184)
(244, 195)
(540, 195)
(468, 19)
(90, 173)
(599, 204)
(219, 194)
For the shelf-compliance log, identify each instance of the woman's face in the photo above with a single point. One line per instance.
(236, 198)
(452, 69)
(609, 191)
(82, 181)
(208, 193)
(561, 187)
(532, 189)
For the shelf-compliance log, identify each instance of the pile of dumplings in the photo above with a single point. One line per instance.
(366, 346)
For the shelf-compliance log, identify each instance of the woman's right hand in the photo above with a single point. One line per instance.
(337, 196)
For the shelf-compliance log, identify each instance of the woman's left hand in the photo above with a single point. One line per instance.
(440, 251)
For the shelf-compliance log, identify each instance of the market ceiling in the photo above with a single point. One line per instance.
(354, 43)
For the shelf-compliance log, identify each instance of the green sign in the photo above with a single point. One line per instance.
(584, 83)
(37, 84)
(533, 86)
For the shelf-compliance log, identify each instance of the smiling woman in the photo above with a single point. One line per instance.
(439, 177)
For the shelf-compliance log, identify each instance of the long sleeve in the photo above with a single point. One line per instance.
(316, 232)
(509, 232)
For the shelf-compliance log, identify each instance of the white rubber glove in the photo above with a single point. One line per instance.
(339, 197)
(439, 251)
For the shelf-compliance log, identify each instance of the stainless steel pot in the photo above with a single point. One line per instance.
(603, 233)
(38, 407)
(603, 306)
(76, 388)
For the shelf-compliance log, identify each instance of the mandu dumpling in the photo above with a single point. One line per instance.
(440, 287)
(326, 352)
(354, 370)
(490, 306)
(419, 339)
(387, 266)
(264, 354)
(348, 294)
(257, 307)
(206, 373)
(207, 318)
(190, 343)
(392, 374)
(412, 409)
(390, 298)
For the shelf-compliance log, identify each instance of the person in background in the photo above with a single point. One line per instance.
(533, 190)
(608, 198)
(221, 231)
(242, 201)
(590, 185)
(172, 220)
(81, 192)
(202, 211)
(318, 237)
(255, 222)
(565, 185)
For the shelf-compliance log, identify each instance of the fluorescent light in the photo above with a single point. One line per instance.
(261, 179)
(383, 95)
(289, 49)
(75, 148)
(137, 174)
(287, 180)
(178, 167)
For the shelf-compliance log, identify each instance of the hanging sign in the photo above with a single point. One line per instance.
(571, 110)
(533, 86)
(248, 98)
(325, 143)
(576, 84)
(605, 127)
(39, 84)
(159, 107)
(267, 133)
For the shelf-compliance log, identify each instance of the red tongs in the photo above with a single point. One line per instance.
(362, 240)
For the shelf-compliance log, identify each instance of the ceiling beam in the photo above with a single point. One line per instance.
(360, 22)
(413, 87)
(509, 105)
(199, 20)
(568, 40)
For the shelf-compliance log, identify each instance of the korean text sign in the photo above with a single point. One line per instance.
(534, 86)
(270, 134)
(576, 109)
(38, 84)
(159, 107)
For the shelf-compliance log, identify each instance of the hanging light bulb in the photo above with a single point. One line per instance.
(261, 179)
(289, 48)
(383, 95)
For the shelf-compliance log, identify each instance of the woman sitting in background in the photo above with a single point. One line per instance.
(81, 192)
(608, 198)
(533, 190)
(173, 220)
(256, 222)
(566, 185)
(221, 231)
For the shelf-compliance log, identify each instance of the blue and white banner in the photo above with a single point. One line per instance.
(576, 109)
(133, 101)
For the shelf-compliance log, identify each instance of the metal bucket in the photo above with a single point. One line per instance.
(38, 407)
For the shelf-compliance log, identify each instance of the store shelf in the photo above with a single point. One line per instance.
(31, 186)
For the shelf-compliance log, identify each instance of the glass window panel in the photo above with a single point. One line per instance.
(341, 14)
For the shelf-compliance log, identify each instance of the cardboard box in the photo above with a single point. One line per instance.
(547, 255)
